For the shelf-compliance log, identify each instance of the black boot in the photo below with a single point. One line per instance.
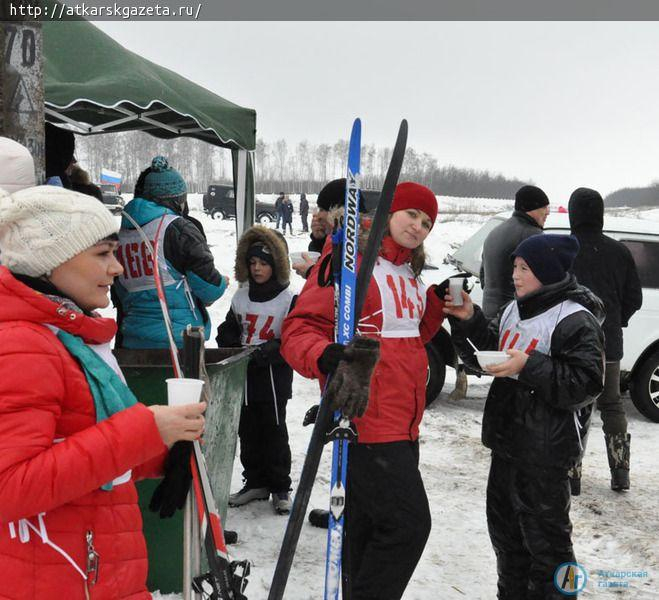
(617, 450)
(574, 477)
(319, 518)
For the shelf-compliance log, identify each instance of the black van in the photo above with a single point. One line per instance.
(220, 203)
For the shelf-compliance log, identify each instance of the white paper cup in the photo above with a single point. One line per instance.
(455, 290)
(181, 391)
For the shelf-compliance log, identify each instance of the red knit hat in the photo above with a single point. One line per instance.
(414, 195)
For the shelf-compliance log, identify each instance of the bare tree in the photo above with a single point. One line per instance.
(340, 150)
(323, 152)
(280, 154)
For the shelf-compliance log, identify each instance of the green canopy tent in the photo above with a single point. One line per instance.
(95, 85)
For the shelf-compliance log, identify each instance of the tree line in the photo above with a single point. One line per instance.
(280, 167)
(129, 153)
(633, 197)
(306, 167)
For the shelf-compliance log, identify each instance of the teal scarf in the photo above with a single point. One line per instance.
(111, 395)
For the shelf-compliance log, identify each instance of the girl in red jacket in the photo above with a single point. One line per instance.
(72, 436)
(387, 515)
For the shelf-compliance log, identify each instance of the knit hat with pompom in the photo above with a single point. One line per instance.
(161, 182)
(42, 227)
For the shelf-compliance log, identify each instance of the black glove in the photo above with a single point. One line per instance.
(330, 358)
(267, 353)
(441, 289)
(350, 385)
(173, 489)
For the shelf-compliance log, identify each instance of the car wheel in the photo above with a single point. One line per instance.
(644, 387)
(436, 374)
(218, 214)
(265, 218)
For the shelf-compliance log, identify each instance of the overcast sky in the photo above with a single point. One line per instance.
(563, 104)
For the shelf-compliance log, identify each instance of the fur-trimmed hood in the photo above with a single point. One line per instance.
(274, 242)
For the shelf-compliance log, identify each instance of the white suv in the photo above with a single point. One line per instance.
(640, 363)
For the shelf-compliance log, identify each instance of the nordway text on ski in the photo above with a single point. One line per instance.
(350, 252)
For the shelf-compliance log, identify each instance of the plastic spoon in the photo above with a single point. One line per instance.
(472, 345)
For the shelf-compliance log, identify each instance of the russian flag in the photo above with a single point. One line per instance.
(108, 176)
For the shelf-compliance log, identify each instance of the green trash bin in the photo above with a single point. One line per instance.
(146, 372)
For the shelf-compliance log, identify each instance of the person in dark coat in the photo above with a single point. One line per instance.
(278, 207)
(606, 267)
(531, 210)
(81, 182)
(254, 320)
(537, 411)
(304, 212)
(59, 148)
(332, 196)
(287, 214)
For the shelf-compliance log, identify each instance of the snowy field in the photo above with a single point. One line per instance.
(612, 532)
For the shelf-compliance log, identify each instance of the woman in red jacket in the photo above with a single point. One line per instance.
(72, 436)
(387, 515)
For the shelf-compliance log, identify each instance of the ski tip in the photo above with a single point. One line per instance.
(356, 133)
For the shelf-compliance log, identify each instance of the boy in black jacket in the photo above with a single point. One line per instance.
(537, 411)
(257, 312)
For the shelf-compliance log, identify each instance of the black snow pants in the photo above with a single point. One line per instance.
(529, 523)
(609, 403)
(387, 520)
(264, 450)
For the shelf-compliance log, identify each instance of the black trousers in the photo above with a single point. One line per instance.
(305, 223)
(387, 520)
(609, 402)
(529, 523)
(264, 450)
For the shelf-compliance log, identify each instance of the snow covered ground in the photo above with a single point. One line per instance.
(612, 532)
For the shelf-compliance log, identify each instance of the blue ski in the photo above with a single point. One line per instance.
(345, 321)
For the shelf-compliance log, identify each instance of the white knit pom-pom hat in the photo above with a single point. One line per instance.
(44, 226)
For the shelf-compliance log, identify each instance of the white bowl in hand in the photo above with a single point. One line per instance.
(297, 257)
(488, 358)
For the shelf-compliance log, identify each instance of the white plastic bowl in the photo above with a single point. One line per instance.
(296, 257)
(488, 358)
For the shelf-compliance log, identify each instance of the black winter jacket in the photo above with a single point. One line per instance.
(287, 211)
(264, 357)
(496, 267)
(533, 420)
(316, 244)
(304, 207)
(606, 267)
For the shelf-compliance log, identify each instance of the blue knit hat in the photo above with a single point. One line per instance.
(163, 182)
(549, 255)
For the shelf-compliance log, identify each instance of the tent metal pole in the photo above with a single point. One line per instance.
(187, 548)
(241, 194)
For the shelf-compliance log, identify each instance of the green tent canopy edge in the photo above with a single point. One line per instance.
(96, 85)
